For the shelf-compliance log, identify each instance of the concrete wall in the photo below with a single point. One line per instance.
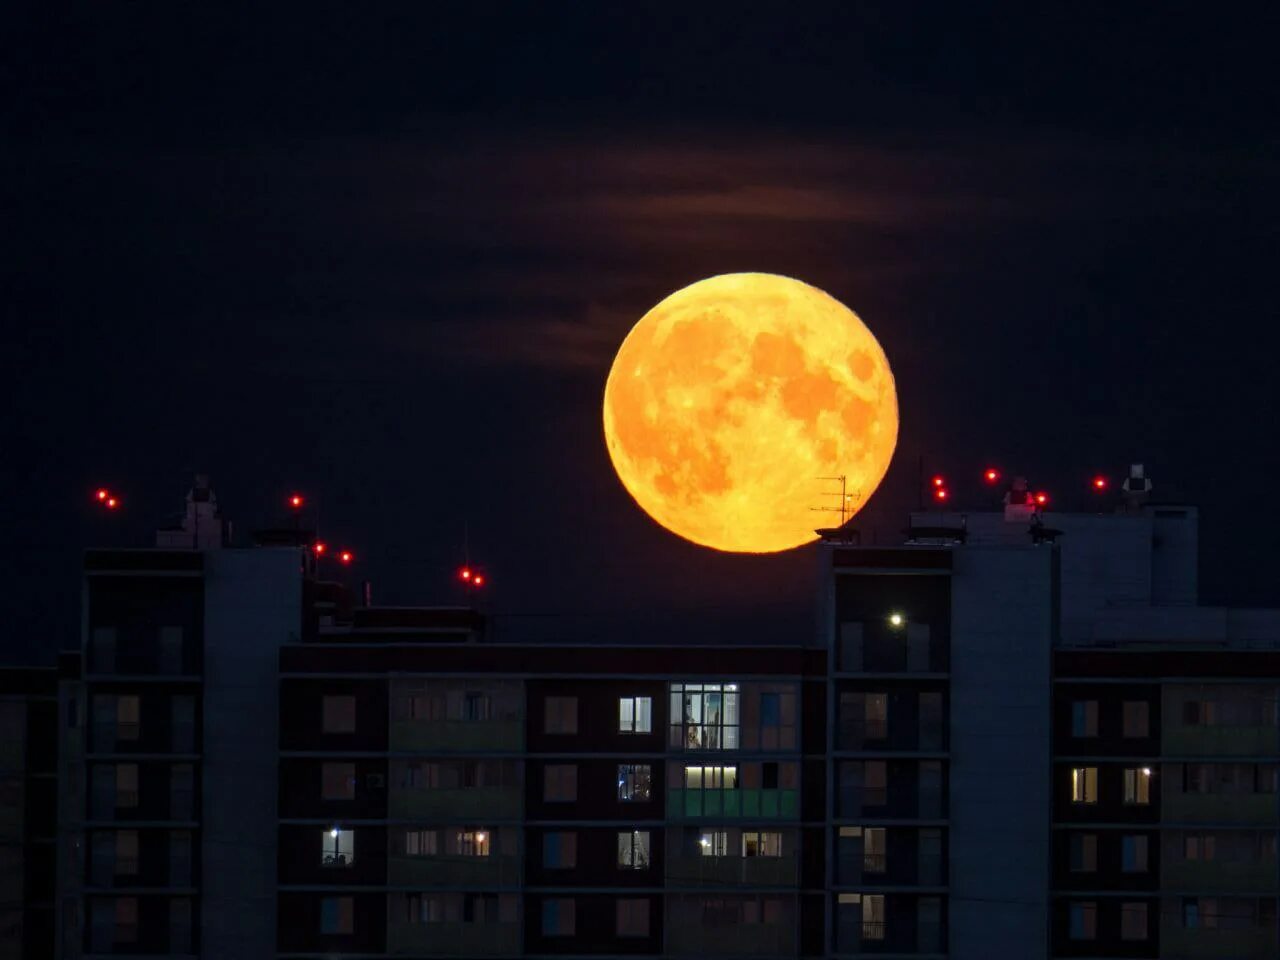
(253, 602)
(1001, 637)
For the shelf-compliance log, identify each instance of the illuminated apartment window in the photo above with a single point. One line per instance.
(421, 843)
(761, 844)
(126, 926)
(635, 782)
(559, 917)
(337, 847)
(873, 916)
(560, 850)
(337, 915)
(1084, 852)
(338, 781)
(1133, 921)
(633, 850)
(128, 717)
(1137, 718)
(874, 850)
(714, 843)
(635, 715)
(339, 714)
(1137, 786)
(561, 715)
(704, 716)
(632, 917)
(126, 785)
(560, 783)
(473, 843)
(126, 852)
(1084, 784)
(1084, 718)
(1083, 920)
(1133, 853)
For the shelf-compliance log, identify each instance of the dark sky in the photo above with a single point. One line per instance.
(385, 258)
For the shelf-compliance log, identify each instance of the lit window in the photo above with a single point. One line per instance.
(560, 784)
(714, 843)
(473, 843)
(339, 714)
(421, 843)
(1084, 718)
(1083, 919)
(711, 778)
(559, 917)
(1084, 784)
(635, 715)
(1133, 853)
(337, 847)
(762, 844)
(128, 717)
(560, 850)
(1133, 921)
(873, 850)
(126, 785)
(635, 782)
(338, 781)
(1137, 786)
(633, 850)
(561, 715)
(1137, 718)
(873, 917)
(704, 716)
(126, 852)
(337, 915)
(1084, 852)
(633, 917)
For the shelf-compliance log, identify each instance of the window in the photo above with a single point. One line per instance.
(560, 783)
(633, 850)
(1084, 852)
(560, 850)
(635, 715)
(1190, 913)
(876, 716)
(128, 717)
(126, 930)
(1133, 853)
(1084, 718)
(1199, 846)
(561, 715)
(338, 781)
(337, 847)
(711, 778)
(337, 915)
(761, 844)
(126, 785)
(714, 843)
(873, 916)
(559, 917)
(339, 714)
(633, 918)
(1133, 921)
(476, 706)
(1083, 920)
(421, 843)
(1137, 786)
(126, 852)
(873, 850)
(1199, 713)
(704, 716)
(1084, 784)
(1137, 718)
(777, 721)
(473, 843)
(635, 782)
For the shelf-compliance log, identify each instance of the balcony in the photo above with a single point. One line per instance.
(747, 939)
(441, 871)
(457, 735)
(1218, 876)
(1259, 808)
(1180, 943)
(1220, 741)
(454, 939)
(763, 871)
(475, 803)
(690, 804)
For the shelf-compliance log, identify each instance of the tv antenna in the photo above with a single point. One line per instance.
(848, 502)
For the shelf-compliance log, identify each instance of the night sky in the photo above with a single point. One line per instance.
(385, 259)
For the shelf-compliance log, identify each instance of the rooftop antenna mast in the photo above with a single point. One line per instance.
(848, 504)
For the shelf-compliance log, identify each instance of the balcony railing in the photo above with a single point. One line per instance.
(873, 930)
(873, 863)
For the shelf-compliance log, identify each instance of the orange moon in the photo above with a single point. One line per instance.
(730, 399)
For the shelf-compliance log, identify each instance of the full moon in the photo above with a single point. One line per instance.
(730, 401)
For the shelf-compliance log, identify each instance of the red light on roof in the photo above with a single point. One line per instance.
(991, 475)
(346, 556)
(318, 547)
(1042, 498)
(295, 501)
(103, 494)
(1099, 483)
(940, 493)
(465, 573)
(938, 480)
(479, 580)
(112, 503)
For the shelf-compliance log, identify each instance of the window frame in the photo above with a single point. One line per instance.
(630, 725)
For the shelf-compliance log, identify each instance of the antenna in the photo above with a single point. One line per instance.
(848, 501)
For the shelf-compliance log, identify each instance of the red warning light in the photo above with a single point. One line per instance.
(938, 480)
(991, 475)
(465, 573)
(940, 494)
(112, 503)
(1042, 498)
(103, 494)
(1100, 483)
(295, 501)
(346, 556)
(478, 580)
(319, 547)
